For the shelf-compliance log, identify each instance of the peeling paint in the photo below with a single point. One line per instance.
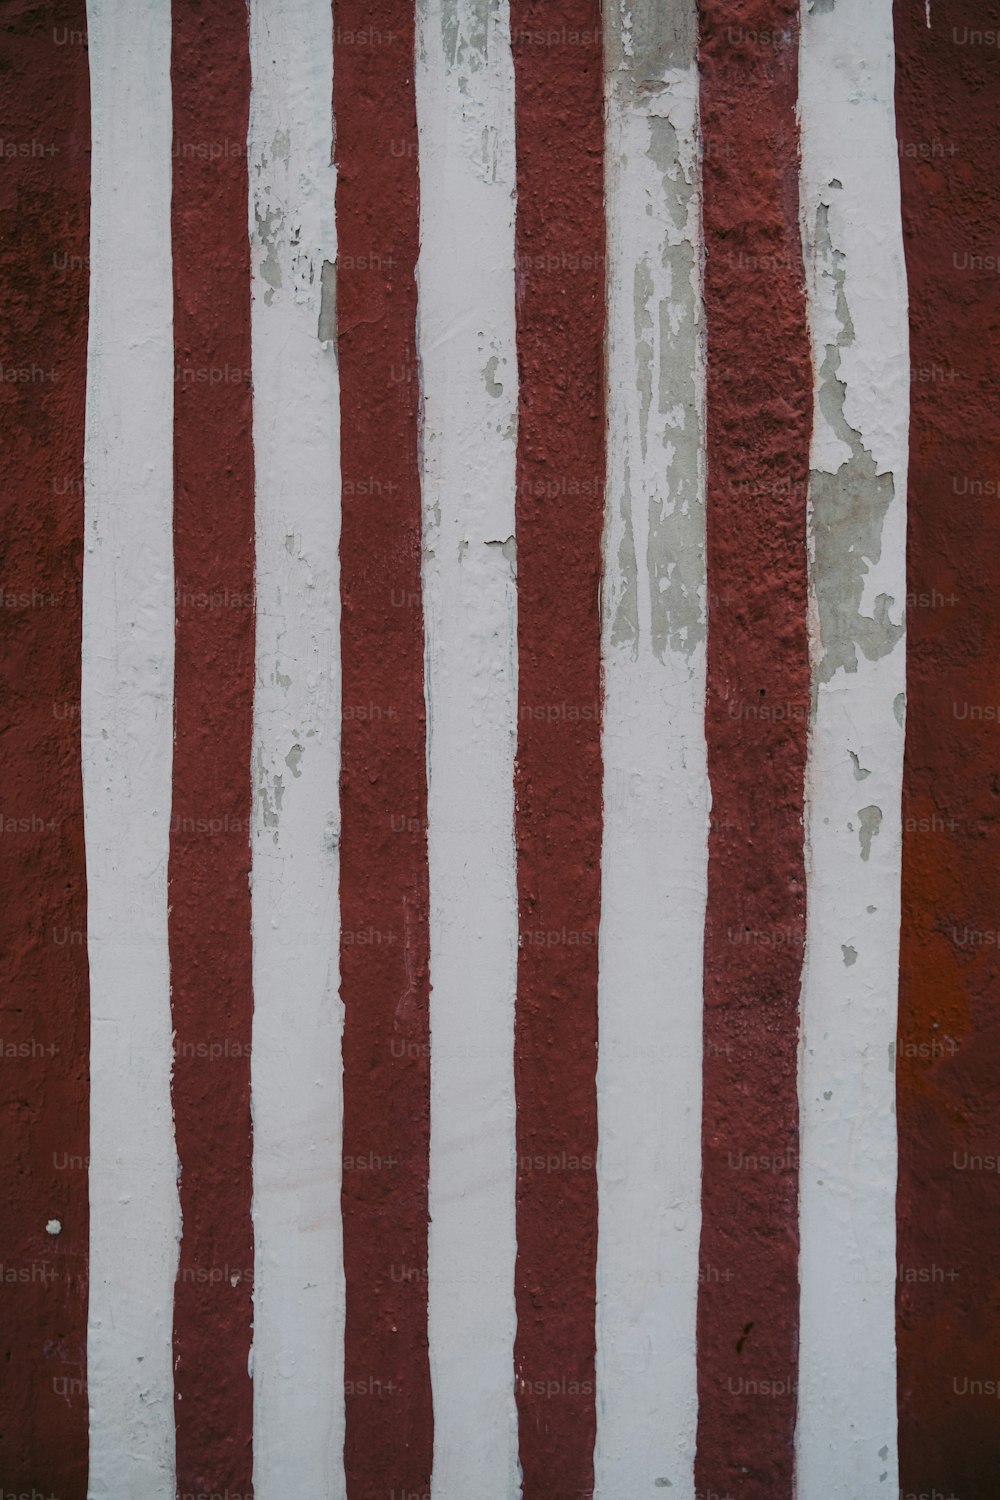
(675, 556)
(666, 332)
(850, 955)
(848, 509)
(859, 771)
(509, 549)
(269, 226)
(465, 33)
(270, 791)
(871, 822)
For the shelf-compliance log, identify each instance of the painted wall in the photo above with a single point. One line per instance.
(499, 768)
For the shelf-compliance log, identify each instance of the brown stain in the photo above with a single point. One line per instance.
(948, 1062)
(44, 998)
(758, 429)
(209, 891)
(560, 272)
(384, 893)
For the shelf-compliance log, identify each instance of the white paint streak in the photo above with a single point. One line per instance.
(656, 794)
(465, 112)
(296, 1066)
(855, 275)
(126, 716)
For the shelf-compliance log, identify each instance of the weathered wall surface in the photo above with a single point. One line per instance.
(499, 768)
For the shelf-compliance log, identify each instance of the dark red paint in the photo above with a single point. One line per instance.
(44, 1002)
(384, 898)
(948, 1063)
(560, 255)
(209, 891)
(759, 419)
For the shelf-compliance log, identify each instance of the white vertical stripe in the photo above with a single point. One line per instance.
(465, 112)
(857, 513)
(296, 1062)
(127, 733)
(656, 797)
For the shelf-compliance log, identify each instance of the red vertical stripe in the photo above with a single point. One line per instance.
(210, 951)
(383, 850)
(759, 416)
(560, 478)
(948, 1063)
(44, 1014)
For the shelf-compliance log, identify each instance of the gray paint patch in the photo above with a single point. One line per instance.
(899, 709)
(642, 295)
(848, 511)
(327, 329)
(659, 35)
(625, 627)
(493, 385)
(871, 822)
(821, 7)
(293, 758)
(850, 955)
(859, 771)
